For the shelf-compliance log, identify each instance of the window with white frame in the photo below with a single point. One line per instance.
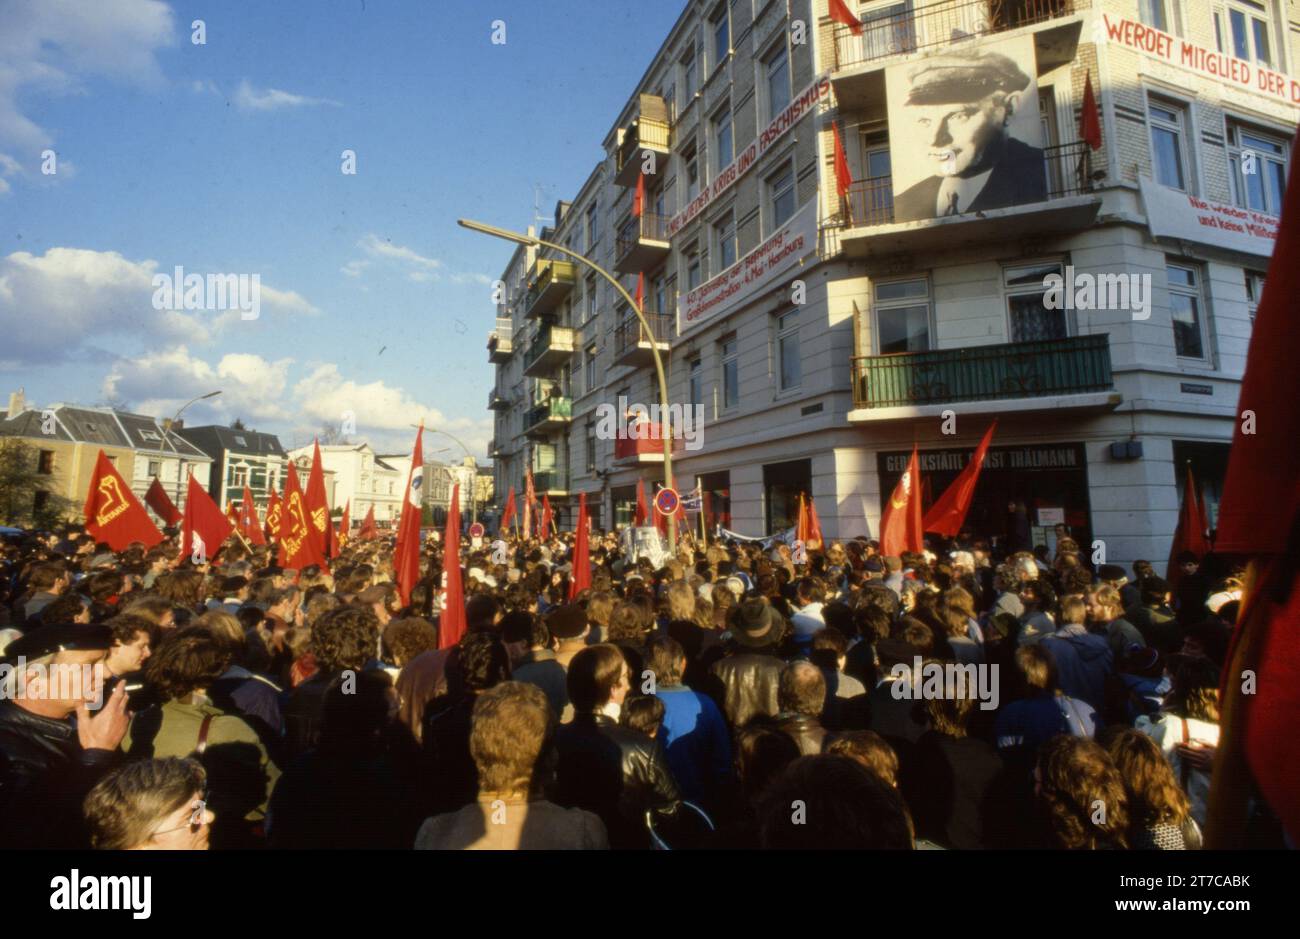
(720, 28)
(724, 237)
(1257, 169)
(723, 145)
(691, 258)
(776, 69)
(690, 76)
(696, 391)
(590, 297)
(590, 384)
(1254, 292)
(1169, 143)
(1185, 310)
(1030, 320)
(1241, 29)
(691, 163)
(902, 316)
(155, 467)
(1152, 13)
(781, 196)
(593, 226)
(730, 373)
(788, 358)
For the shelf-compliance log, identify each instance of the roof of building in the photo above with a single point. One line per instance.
(213, 439)
(103, 426)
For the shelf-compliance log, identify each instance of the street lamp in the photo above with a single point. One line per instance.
(169, 424)
(473, 495)
(664, 429)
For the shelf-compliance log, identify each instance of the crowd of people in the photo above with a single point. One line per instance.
(730, 698)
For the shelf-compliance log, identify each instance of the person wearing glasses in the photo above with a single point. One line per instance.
(150, 805)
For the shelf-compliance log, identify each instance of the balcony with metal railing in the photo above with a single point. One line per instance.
(499, 343)
(550, 415)
(642, 243)
(1052, 374)
(551, 482)
(549, 350)
(497, 401)
(649, 130)
(633, 346)
(868, 222)
(890, 31)
(549, 282)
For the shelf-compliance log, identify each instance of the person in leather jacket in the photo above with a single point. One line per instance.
(48, 763)
(802, 695)
(610, 770)
(745, 682)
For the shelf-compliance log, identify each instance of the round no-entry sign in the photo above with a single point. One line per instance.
(476, 530)
(666, 501)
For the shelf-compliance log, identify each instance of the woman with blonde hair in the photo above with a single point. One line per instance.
(1160, 814)
(1187, 729)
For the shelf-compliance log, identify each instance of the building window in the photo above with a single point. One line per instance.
(591, 368)
(730, 374)
(591, 448)
(593, 226)
(777, 68)
(1258, 168)
(40, 500)
(1031, 320)
(724, 234)
(1168, 133)
(1241, 30)
(1185, 311)
(789, 360)
(1152, 13)
(721, 35)
(902, 316)
(591, 297)
(1254, 292)
(238, 475)
(45, 463)
(692, 166)
(692, 266)
(722, 142)
(155, 467)
(696, 394)
(690, 76)
(781, 196)
(876, 204)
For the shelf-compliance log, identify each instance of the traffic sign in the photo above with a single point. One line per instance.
(667, 500)
(476, 530)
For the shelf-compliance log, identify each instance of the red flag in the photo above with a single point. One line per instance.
(1089, 124)
(248, 525)
(204, 527)
(298, 548)
(840, 14)
(545, 518)
(900, 523)
(808, 529)
(638, 201)
(843, 175)
(1190, 533)
(580, 579)
(158, 500)
(451, 622)
(1260, 517)
(640, 292)
(509, 513)
(274, 509)
(948, 514)
(318, 507)
(369, 531)
(345, 525)
(406, 555)
(642, 510)
(530, 497)
(232, 513)
(113, 514)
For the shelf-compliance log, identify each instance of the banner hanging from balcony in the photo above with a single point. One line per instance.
(1174, 214)
(964, 131)
(802, 105)
(756, 271)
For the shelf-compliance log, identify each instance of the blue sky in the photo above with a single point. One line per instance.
(225, 158)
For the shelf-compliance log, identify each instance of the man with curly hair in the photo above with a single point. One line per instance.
(343, 639)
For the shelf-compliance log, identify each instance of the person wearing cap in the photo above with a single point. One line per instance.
(568, 626)
(52, 750)
(750, 674)
(962, 107)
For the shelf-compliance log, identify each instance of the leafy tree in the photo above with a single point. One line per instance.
(238, 424)
(20, 482)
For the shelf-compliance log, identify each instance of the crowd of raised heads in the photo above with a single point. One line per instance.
(953, 698)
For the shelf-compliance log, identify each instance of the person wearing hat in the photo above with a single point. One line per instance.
(568, 626)
(961, 108)
(48, 760)
(750, 674)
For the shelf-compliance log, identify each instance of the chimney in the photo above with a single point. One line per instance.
(17, 403)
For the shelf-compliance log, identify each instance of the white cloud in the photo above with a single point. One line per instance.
(378, 247)
(160, 383)
(4, 186)
(354, 268)
(421, 277)
(50, 46)
(81, 298)
(248, 98)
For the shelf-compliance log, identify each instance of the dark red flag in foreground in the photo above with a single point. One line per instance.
(808, 528)
(451, 622)
(318, 508)
(113, 514)
(369, 530)
(274, 509)
(900, 523)
(580, 579)
(406, 554)
(158, 500)
(509, 513)
(248, 524)
(948, 514)
(204, 527)
(298, 549)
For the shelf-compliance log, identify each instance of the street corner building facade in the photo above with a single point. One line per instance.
(858, 232)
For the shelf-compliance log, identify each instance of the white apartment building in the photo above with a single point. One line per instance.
(363, 477)
(826, 334)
